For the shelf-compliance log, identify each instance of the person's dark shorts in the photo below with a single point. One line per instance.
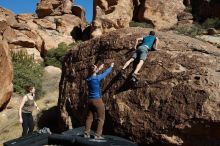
(141, 53)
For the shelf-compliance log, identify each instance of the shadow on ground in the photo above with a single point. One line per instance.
(48, 118)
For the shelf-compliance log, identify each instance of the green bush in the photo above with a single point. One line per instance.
(188, 9)
(211, 22)
(190, 31)
(54, 57)
(26, 72)
(140, 24)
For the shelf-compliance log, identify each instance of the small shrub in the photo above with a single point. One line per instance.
(211, 22)
(188, 9)
(190, 31)
(54, 57)
(26, 72)
(140, 24)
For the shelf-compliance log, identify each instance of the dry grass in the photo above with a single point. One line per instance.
(14, 131)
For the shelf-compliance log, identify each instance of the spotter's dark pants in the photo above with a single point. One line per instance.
(28, 123)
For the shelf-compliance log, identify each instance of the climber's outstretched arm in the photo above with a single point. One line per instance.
(103, 75)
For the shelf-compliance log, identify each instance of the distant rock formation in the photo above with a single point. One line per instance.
(114, 14)
(175, 101)
(161, 13)
(36, 34)
(6, 76)
(54, 7)
(111, 15)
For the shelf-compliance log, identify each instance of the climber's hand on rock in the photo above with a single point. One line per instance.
(112, 64)
(101, 67)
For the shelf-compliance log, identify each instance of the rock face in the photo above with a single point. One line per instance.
(51, 78)
(110, 15)
(36, 35)
(80, 12)
(6, 77)
(54, 7)
(206, 8)
(160, 13)
(175, 101)
(185, 19)
(215, 40)
(114, 14)
(187, 2)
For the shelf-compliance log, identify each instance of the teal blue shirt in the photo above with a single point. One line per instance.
(149, 41)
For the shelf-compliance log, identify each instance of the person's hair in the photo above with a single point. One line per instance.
(152, 33)
(28, 88)
(91, 69)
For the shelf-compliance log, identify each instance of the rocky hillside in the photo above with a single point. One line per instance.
(114, 14)
(56, 21)
(176, 100)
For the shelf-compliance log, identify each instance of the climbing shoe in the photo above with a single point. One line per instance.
(86, 135)
(134, 77)
(99, 137)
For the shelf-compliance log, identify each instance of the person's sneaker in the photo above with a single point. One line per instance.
(86, 135)
(99, 137)
(134, 77)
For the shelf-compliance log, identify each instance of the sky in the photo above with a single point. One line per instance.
(29, 6)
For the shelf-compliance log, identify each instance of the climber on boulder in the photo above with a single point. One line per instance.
(149, 42)
(95, 103)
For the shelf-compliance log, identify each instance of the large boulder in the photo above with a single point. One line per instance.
(110, 15)
(6, 77)
(175, 101)
(65, 26)
(7, 16)
(161, 13)
(44, 9)
(54, 7)
(204, 9)
(51, 78)
(67, 23)
(185, 19)
(80, 12)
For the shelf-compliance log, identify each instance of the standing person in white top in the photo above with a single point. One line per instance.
(25, 111)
